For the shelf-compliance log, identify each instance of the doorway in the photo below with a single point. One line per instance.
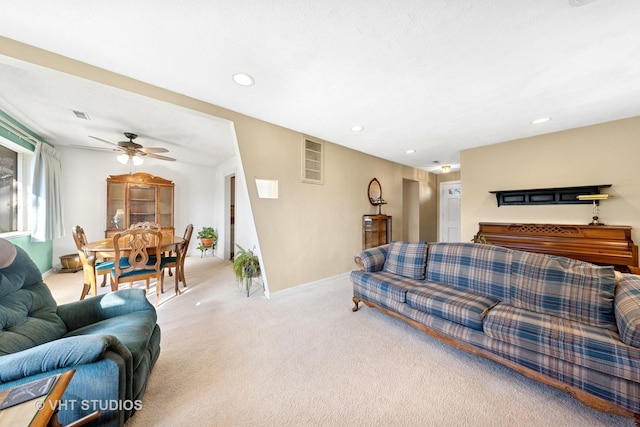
(449, 206)
(229, 216)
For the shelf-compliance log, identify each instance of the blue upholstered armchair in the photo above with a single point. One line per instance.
(112, 341)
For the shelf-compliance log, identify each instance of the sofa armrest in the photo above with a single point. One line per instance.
(95, 309)
(372, 260)
(627, 309)
(59, 354)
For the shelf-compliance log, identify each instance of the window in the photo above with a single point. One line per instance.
(8, 190)
(312, 161)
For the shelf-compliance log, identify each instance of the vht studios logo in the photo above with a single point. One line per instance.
(92, 405)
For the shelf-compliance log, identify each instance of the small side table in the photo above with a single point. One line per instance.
(41, 411)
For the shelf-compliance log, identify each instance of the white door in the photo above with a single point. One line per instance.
(449, 230)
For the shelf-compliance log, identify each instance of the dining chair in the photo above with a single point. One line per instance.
(102, 268)
(136, 257)
(155, 226)
(176, 260)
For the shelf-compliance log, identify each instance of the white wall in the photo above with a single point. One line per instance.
(197, 195)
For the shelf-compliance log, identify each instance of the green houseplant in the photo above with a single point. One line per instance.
(480, 239)
(246, 266)
(208, 239)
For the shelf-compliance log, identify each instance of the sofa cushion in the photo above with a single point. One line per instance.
(484, 269)
(27, 309)
(450, 303)
(564, 287)
(562, 339)
(382, 286)
(407, 259)
(627, 309)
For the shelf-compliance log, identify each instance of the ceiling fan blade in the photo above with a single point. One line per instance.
(86, 147)
(157, 156)
(153, 150)
(103, 140)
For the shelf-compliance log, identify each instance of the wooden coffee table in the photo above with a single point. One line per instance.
(41, 411)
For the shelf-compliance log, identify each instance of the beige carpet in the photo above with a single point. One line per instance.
(304, 358)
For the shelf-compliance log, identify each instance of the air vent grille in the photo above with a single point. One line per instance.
(81, 115)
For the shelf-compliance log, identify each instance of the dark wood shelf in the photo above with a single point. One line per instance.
(546, 196)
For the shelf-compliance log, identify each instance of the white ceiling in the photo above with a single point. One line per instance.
(436, 76)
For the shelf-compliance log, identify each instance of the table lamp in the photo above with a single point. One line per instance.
(379, 202)
(596, 201)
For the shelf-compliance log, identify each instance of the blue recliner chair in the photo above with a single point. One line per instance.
(112, 341)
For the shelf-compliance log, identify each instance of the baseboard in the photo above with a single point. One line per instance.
(342, 276)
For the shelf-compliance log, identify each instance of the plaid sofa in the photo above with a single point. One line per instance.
(571, 321)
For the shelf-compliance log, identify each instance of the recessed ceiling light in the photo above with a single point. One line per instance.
(243, 79)
(357, 128)
(410, 151)
(540, 120)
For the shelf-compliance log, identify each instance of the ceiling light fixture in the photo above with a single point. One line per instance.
(410, 151)
(540, 120)
(357, 128)
(124, 159)
(243, 79)
(446, 168)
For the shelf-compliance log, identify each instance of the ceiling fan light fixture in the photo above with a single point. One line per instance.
(123, 158)
(137, 161)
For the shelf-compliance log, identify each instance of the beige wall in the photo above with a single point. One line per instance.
(607, 153)
(312, 231)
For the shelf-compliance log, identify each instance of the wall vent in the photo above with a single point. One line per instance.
(81, 115)
(312, 161)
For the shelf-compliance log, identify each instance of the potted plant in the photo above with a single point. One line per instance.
(246, 266)
(208, 238)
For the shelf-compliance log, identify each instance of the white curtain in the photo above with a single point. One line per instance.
(46, 181)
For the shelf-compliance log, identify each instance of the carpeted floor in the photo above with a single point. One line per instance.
(304, 358)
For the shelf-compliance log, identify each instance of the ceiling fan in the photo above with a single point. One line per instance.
(135, 152)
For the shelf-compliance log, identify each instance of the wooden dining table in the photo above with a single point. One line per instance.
(103, 248)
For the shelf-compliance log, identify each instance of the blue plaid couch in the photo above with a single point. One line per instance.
(567, 323)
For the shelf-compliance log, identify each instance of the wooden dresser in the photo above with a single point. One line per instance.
(599, 244)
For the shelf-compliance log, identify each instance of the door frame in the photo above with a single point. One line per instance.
(441, 207)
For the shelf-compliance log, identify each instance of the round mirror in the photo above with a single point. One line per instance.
(375, 192)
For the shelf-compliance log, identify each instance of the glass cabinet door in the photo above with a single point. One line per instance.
(166, 206)
(142, 204)
(116, 206)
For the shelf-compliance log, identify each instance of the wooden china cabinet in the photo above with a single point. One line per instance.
(376, 230)
(139, 197)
